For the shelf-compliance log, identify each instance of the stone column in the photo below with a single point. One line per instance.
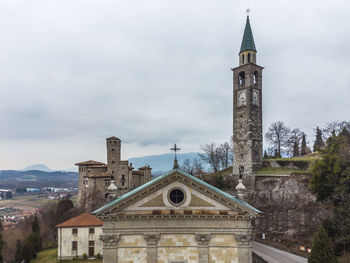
(203, 247)
(110, 245)
(244, 248)
(152, 242)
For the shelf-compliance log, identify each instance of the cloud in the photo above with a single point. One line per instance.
(158, 72)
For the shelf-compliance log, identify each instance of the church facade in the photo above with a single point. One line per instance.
(177, 218)
(95, 177)
(247, 112)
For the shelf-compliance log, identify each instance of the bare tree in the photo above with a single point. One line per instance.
(187, 166)
(198, 166)
(225, 155)
(336, 126)
(277, 136)
(192, 166)
(211, 155)
(95, 198)
(293, 144)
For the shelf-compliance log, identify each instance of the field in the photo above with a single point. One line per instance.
(27, 202)
(50, 256)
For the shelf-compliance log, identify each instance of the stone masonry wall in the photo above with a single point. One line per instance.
(291, 214)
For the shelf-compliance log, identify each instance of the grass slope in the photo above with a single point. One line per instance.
(50, 256)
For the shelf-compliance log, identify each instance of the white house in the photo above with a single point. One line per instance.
(78, 236)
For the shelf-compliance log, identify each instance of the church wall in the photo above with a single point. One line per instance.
(223, 249)
(132, 248)
(177, 247)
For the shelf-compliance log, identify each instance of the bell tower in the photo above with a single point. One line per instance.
(247, 112)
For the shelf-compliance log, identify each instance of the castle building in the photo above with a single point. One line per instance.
(95, 177)
(247, 112)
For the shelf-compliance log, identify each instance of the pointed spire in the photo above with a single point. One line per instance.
(248, 39)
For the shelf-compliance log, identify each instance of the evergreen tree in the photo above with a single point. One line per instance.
(18, 255)
(35, 225)
(322, 248)
(319, 144)
(304, 150)
(265, 155)
(296, 149)
(2, 243)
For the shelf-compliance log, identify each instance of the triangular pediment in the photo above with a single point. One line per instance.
(179, 193)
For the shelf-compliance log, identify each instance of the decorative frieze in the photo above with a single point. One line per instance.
(203, 239)
(109, 240)
(152, 239)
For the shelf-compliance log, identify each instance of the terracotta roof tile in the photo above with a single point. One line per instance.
(82, 220)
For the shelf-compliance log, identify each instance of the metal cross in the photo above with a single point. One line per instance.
(175, 149)
(248, 11)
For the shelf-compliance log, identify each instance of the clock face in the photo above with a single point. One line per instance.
(242, 100)
(256, 97)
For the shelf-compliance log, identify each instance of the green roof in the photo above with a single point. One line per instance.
(248, 39)
(157, 179)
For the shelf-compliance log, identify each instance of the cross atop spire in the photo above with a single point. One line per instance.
(175, 149)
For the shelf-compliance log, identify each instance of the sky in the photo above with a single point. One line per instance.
(158, 72)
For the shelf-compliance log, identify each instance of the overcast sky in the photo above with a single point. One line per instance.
(156, 72)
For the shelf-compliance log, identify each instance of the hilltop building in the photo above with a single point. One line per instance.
(95, 177)
(247, 112)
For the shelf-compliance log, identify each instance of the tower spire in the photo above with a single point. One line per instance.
(248, 43)
(247, 54)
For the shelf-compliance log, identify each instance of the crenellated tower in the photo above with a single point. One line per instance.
(247, 112)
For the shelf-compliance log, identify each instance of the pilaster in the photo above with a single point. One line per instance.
(203, 247)
(244, 248)
(110, 245)
(152, 242)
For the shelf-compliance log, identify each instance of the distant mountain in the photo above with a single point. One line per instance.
(38, 167)
(162, 162)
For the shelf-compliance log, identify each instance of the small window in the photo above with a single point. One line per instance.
(75, 245)
(123, 180)
(243, 59)
(91, 231)
(176, 196)
(112, 149)
(75, 231)
(248, 57)
(91, 243)
(113, 161)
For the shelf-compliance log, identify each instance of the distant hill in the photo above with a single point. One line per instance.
(34, 175)
(161, 163)
(38, 167)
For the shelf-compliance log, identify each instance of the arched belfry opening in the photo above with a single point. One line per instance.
(241, 78)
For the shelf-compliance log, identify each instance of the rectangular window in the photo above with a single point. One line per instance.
(91, 243)
(91, 231)
(75, 231)
(74, 245)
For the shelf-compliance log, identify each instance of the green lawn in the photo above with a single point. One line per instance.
(273, 170)
(50, 256)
